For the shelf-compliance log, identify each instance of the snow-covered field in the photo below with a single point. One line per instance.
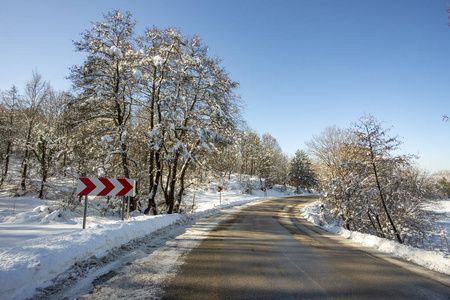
(43, 246)
(39, 240)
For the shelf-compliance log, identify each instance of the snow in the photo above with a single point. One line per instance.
(21, 219)
(115, 51)
(43, 246)
(137, 74)
(157, 60)
(106, 140)
(433, 260)
(124, 137)
(39, 241)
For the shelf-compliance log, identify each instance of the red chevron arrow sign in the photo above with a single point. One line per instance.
(106, 187)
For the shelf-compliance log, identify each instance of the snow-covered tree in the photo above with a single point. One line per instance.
(444, 186)
(51, 149)
(106, 87)
(57, 113)
(370, 188)
(190, 105)
(329, 150)
(43, 152)
(378, 147)
(9, 121)
(261, 156)
(271, 160)
(249, 145)
(301, 173)
(36, 93)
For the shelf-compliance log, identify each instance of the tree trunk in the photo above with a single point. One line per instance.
(154, 178)
(5, 170)
(41, 191)
(383, 202)
(182, 187)
(24, 172)
(170, 200)
(377, 217)
(26, 157)
(372, 222)
(8, 151)
(380, 191)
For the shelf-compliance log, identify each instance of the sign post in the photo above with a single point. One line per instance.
(122, 212)
(128, 208)
(85, 211)
(220, 193)
(193, 202)
(105, 187)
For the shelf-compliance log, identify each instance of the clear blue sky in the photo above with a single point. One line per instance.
(303, 65)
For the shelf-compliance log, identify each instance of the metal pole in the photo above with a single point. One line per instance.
(128, 208)
(220, 199)
(85, 211)
(193, 202)
(123, 207)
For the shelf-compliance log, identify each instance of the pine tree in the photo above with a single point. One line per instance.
(301, 173)
(444, 186)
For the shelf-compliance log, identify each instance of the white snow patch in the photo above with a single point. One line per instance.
(429, 259)
(157, 60)
(106, 140)
(137, 74)
(116, 52)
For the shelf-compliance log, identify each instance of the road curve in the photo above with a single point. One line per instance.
(264, 252)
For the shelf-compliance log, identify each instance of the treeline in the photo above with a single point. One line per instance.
(154, 107)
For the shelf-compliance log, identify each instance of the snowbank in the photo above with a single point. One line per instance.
(26, 267)
(429, 259)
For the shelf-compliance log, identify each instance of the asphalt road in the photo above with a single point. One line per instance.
(264, 252)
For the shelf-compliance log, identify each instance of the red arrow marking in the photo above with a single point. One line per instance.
(108, 187)
(89, 187)
(126, 187)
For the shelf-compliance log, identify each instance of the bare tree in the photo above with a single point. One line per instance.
(163, 88)
(36, 92)
(378, 146)
(106, 83)
(10, 104)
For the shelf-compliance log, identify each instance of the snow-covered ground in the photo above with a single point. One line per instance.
(39, 240)
(43, 248)
(434, 260)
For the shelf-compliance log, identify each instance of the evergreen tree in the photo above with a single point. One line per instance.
(301, 173)
(444, 186)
